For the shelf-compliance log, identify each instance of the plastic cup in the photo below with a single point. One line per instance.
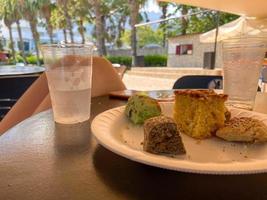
(69, 75)
(242, 62)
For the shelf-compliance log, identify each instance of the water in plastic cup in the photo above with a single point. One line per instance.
(242, 61)
(69, 74)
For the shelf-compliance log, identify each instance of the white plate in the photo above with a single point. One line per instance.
(211, 156)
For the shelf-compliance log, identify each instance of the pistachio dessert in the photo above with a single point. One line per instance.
(161, 136)
(141, 107)
(199, 113)
(243, 129)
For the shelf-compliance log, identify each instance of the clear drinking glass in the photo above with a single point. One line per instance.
(69, 75)
(242, 61)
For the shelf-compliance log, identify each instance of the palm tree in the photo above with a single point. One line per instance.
(164, 7)
(21, 42)
(8, 18)
(16, 10)
(46, 12)
(9, 23)
(184, 25)
(81, 13)
(81, 29)
(58, 21)
(100, 27)
(118, 16)
(64, 5)
(134, 12)
(121, 30)
(30, 10)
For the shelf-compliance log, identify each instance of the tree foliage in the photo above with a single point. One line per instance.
(202, 22)
(145, 36)
(109, 18)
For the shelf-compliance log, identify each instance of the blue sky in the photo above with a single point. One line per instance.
(152, 6)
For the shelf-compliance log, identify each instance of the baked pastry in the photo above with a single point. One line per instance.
(199, 113)
(161, 136)
(243, 129)
(141, 107)
(227, 115)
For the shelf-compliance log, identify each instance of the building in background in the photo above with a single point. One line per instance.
(188, 51)
(197, 50)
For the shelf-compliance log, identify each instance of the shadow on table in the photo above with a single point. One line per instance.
(72, 138)
(138, 181)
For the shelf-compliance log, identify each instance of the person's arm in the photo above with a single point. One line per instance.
(26, 105)
(44, 105)
(105, 79)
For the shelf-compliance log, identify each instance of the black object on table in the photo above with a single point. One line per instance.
(14, 81)
(199, 82)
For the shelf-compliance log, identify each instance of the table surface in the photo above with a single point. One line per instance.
(41, 160)
(20, 70)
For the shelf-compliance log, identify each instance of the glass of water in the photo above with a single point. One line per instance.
(69, 75)
(242, 62)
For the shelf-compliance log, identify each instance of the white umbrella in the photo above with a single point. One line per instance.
(243, 26)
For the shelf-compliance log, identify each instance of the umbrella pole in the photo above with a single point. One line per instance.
(216, 36)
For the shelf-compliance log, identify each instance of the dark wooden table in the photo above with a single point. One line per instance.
(41, 160)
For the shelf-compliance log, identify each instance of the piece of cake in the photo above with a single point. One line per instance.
(243, 129)
(141, 107)
(161, 136)
(199, 113)
(227, 115)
